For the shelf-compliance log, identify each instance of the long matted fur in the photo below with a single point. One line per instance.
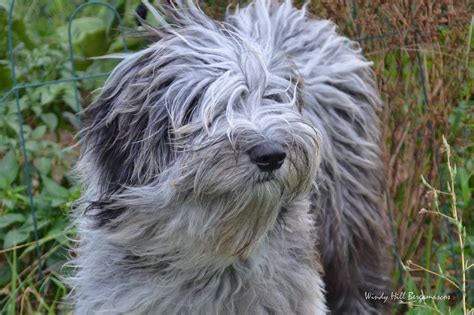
(175, 218)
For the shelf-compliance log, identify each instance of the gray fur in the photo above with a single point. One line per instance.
(176, 219)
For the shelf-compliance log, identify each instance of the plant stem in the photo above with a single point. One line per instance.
(459, 225)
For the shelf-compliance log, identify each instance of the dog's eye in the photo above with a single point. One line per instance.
(277, 98)
(188, 114)
(274, 98)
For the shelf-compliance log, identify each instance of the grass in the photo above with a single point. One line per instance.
(423, 57)
(454, 218)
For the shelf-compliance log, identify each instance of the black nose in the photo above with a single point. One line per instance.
(268, 156)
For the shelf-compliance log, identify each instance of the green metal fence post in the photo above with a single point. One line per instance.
(27, 170)
(71, 48)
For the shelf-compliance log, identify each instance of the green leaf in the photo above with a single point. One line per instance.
(54, 190)
(10, 218)
(107, 15)
(44, 165)
(28, 226)
(8, 169)
(89, 38)
(12, 122)
(71, 118)
(32, 146)
(4, 4)
(69, 97)
(14, 237)
(51, 120)
(47, 95)
(39, 132)
(23, 33)
(56, 234)
(132, 43)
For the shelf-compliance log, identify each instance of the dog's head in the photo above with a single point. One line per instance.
(207, 121)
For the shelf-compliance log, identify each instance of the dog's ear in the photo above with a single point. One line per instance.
(126, 138)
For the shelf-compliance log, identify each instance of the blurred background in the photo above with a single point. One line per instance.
(423, 56)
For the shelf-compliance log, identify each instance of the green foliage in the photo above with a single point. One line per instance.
(49, 123)
(448, 261)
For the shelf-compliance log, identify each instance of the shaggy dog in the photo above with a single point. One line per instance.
(212, 159)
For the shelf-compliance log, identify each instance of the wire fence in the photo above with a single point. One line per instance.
(17, 88)
(15, 91)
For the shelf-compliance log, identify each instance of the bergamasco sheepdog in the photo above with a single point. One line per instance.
(233, 167)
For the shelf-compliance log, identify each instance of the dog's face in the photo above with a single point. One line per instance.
(209, 121)
(242, 142)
